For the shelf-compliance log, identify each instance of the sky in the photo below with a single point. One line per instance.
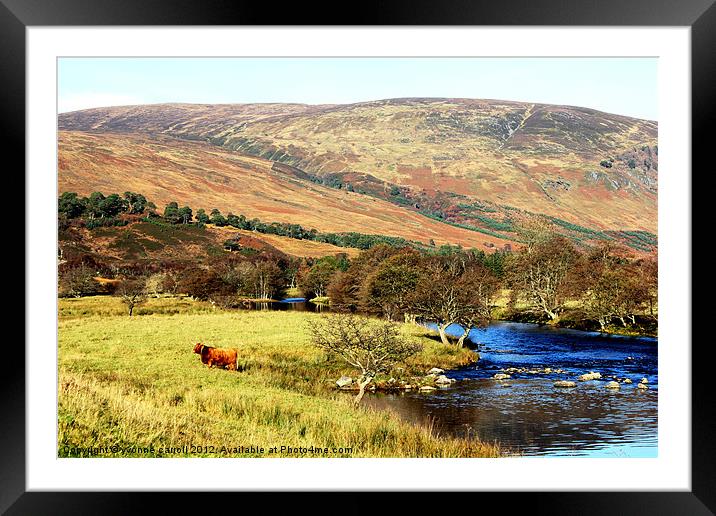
(625, 86)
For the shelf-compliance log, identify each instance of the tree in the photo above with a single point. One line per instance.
(112, 205)
(388, 289)
(136, 203)
(232, 245)
(648, 269)
(217, 218)
(202, 283)
(71, 205)
(132, 292)
(545, 274)
(155, 284)
(151, 209)
(261, 280)
(535, 232)
(369, 346)
(314, 281)
(616, 286)
(171, 213)
(94, 205)
(185, 214)
(269, 280)
(478, 286)
(455, 290)
(78, 281)
(201, 216)
(344, 289)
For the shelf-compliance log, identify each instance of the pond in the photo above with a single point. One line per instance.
(300, 304)
(526, 413)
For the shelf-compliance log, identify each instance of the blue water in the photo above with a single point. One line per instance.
(300, 304)
(529, 416)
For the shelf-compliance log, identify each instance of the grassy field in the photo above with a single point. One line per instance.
(134, 382)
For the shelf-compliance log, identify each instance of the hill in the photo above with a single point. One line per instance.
(403, 167)
(141, 240)
(205, 176)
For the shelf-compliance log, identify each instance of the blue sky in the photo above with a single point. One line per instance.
(626, 86)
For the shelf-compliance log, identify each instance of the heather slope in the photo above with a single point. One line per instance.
(202, 175)
(446, 158)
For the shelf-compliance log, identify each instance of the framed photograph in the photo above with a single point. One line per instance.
(422, 252)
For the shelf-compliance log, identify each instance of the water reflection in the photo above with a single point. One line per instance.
(299, 304)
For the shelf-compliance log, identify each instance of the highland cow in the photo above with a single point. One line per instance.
(217, 356)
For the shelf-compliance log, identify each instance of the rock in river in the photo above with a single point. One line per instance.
(436, 370)
(613, 385)
(590, 376)
(564, 383)
(443, 380)
(344, 381)
(642, 386)
(427, 388)
(501, 376)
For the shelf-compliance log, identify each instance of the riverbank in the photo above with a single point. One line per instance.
(573, 321)
(133, 382)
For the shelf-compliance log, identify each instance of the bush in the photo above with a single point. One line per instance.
(369, 346)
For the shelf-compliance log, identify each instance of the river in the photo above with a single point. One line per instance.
(528, 415)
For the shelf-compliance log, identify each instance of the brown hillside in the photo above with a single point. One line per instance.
(539, 158)
(202, 175)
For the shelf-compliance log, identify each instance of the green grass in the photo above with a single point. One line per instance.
(135, 382)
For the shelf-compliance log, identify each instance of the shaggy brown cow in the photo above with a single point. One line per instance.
(217, 356)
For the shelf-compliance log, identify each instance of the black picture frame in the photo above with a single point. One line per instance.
(699, 15)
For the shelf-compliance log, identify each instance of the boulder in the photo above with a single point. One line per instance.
(642, 386)
(436, 371)
(427, 388)
(613, 385)
(344, 381)
(443, 380)
(501, 376)
(590, 376)
(564, 383)
(627, 380)
(644, 380)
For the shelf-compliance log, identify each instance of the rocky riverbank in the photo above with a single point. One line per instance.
(433, 379)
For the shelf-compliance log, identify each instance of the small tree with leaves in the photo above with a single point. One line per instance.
(132, 292)
(371, 347)
(547, 274)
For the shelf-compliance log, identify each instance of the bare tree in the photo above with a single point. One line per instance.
(78, 281)
(132, 292)
(372, 347)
